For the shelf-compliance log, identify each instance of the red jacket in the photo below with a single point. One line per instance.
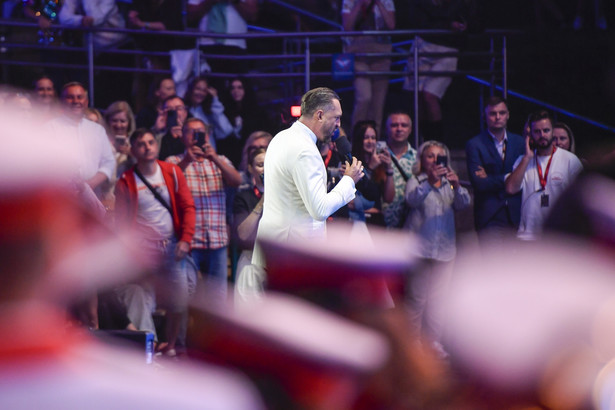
(182, 204)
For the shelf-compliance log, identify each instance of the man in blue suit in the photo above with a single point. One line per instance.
(490, 157)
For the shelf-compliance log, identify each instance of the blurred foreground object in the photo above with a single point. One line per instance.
(53, 250)
(538, 328)
(304, 357)
(350, 269)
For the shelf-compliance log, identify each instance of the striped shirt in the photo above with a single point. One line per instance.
(207, 188)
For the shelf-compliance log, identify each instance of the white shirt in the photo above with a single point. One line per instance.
(90, 139)
(153, 219)
(297, 204)
(565, 166)
(105, 14)
(499, 145)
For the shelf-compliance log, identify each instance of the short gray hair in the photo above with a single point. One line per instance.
(320, 98)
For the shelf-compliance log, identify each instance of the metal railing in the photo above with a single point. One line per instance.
(291, 66)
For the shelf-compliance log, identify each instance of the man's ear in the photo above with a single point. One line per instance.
(320, 115)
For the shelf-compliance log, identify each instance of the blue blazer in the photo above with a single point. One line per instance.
(489, 193)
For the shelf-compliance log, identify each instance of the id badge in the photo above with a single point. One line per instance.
(544, 200)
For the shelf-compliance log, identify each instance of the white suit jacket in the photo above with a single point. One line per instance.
(296, 200)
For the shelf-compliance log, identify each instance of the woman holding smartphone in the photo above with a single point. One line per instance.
(433, 196)
(378, 174)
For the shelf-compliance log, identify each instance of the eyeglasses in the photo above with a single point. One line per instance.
(178, 108)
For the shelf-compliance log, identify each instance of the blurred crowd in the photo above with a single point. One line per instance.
(141, 219)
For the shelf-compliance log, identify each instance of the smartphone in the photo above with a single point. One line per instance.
(199, 137)
(442, 160)
(381, 146)
(533, 144)
(171, 118)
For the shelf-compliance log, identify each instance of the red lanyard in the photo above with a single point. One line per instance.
(543, 181)
(328, 158)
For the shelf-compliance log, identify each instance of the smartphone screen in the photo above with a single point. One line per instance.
(381, 146)
(442, 160)
(171, 118)
(199, 138)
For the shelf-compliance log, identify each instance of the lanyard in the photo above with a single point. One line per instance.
(543, 181)
(328, 158)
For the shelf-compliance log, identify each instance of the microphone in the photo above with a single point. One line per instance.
(343, 147)
(345, 150)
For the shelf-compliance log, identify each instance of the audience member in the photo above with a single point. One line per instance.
(378, 171)
(158, 203)
(163, 89)
(97, 164)
(168, 126)
(158, 15)
(245, 114)
(456, 15)
(154, 16)
(220, 17)
(370, 92)
(247, 212)
(92, 13)
(94, 115)
(103, 14)
(403, 156)
(204, 104)
(490, 157)
(563, 137)
(542, 174)
(208, 174)
(121, 123)
(258, 139)
(433, 197)
(46, 97)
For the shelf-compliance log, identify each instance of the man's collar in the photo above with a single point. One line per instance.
(495, 139)
(306, 129)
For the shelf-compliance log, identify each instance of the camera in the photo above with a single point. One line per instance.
(442, 160)
(381, 146)
(199, 138)
(171, 118)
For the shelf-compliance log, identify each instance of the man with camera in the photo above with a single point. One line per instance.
(208, 174)
(168, 126)
(542, 174)
(490, 157)
(153, 197)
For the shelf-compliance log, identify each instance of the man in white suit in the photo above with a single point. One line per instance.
(296, 201)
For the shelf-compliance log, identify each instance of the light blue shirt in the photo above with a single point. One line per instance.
(432, 216)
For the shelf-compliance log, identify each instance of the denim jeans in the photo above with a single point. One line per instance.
(213, 265)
